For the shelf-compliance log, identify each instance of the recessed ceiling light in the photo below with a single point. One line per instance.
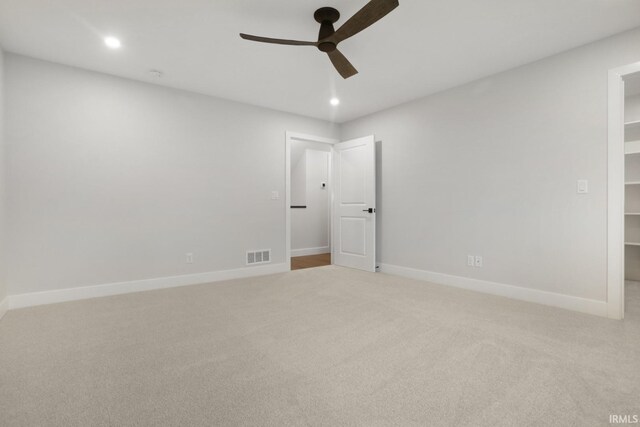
(112, 42)
(335, 102)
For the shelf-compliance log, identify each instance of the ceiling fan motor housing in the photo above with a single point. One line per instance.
(326, 17)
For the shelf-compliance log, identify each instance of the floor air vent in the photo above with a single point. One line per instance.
(259, 257)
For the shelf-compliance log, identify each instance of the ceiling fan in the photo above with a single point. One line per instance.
(328, 38)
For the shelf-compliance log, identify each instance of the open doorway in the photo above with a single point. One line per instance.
(623, 229)
(339, 180)
(632, 193)
(309, 201)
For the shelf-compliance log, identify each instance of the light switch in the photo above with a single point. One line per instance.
(275, 195)
(583, 186)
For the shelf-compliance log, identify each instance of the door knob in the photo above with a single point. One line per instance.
(370, 210)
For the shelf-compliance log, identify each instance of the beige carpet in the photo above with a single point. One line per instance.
(326, 346)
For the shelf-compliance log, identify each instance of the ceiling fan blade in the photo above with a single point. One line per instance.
(277, 41)
(342, 64)
(368, 15)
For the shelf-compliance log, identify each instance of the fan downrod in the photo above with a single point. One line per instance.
(326, 17)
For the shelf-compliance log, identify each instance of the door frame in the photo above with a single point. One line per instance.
(616, 190)
(289, 138)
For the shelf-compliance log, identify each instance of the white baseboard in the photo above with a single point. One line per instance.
(598, 308)
(85, 292)
(4, 307)
(583, 305)
(310, 251)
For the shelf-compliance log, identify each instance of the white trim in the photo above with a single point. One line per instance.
(311, 251)
(615, 190)
(85, 292)
(4, 307)
(583, 305)
(291, 136)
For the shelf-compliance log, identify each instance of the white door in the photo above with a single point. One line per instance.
(354, 204)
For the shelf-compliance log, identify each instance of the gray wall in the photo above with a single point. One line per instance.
(490, 168)
(113, 180)
(3, 264)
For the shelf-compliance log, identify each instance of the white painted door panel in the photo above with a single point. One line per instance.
(354, 227)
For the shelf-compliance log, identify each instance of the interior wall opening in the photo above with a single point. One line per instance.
(310, 204)
(632, 189)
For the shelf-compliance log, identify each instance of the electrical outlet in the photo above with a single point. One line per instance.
(471, 260)
(478, 261)
(189, 258)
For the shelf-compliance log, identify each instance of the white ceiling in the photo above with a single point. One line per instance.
(422, 47)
